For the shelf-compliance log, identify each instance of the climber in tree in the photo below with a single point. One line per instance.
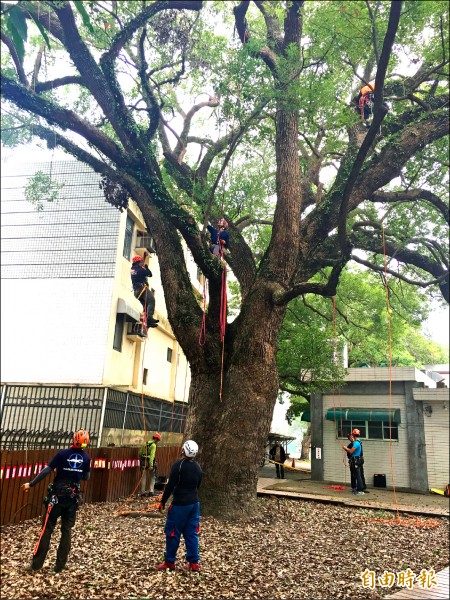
(365, 103)
(219, 237)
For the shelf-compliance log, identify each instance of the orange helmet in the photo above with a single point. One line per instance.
(80, 439)
(136, 259)
(156, 436)
(356, 432)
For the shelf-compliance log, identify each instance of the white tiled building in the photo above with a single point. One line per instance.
(67, 302)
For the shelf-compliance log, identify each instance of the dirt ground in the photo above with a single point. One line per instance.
(290, 550)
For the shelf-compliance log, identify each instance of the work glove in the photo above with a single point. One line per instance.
(161, 507)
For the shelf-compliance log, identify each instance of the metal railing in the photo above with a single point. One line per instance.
(38, 416)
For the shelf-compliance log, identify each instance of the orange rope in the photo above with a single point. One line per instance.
(223, 316)
(388, 309)
(411, 522)
(49, 509)
(333, 300)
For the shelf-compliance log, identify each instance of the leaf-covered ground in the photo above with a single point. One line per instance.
(292, 550)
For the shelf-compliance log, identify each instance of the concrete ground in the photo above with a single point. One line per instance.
(300, 482)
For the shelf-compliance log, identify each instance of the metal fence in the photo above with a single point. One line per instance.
(126, 410)
(40, 416)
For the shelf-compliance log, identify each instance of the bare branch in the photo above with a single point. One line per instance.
(381, 269)
(373, 31)
(16, 60)
(412, 196)
(123, 36)
(64, 118)
(44, 86)
(380, 111)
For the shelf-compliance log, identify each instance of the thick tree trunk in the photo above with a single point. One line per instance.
(233, 431)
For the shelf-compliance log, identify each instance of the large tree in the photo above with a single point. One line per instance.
(281, 102)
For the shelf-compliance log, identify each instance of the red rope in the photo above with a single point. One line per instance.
(223, 316)
(223, 298)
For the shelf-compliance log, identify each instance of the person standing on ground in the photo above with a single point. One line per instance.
(183, 516)
(278, 455)
(351, 466)
(147, 459)
(356, 461)
(72, 465)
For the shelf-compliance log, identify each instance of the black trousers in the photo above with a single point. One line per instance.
(67, 510)
(147, 299)
(280, 471)
(357, 478)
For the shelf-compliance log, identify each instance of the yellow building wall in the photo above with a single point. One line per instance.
(165, 380)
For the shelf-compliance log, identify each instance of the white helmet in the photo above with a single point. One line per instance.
(190, 448)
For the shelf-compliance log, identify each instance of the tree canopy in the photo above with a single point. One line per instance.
(248, 109)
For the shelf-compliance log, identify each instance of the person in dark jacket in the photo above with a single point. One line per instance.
(220, 237)
(278, 455)
(141, 289)
(183, 516)
(72, 465)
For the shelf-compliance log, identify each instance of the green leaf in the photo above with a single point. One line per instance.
(18, 42)
(42, 30)
(86, 20)
(17, 26)
(17, 21)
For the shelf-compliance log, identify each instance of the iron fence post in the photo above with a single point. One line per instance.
(124, 417)
(2, 401)
(102, 418)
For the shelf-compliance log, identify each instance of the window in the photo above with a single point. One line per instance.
(370, 430)
(169, 355)
(118, 332)
(144, 376)
(129, 229)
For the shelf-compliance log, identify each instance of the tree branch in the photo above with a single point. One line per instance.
(327, 289)
(123, 36)
(16, 60)
(64, 118)
(102, 84)
(44, 86)
(412, 196)
(380, 111)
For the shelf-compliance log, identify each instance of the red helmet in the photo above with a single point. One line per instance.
(356, 432)
(80, 439)
(136, 259)
(156, 436)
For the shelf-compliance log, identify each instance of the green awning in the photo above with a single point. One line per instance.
(363, 414)
(306, 416)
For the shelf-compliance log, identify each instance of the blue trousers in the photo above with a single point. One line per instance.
(182, 520)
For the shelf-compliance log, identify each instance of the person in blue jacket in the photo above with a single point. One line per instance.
(183, 516)
(72, 465)
(356, 462)
(220, 237)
